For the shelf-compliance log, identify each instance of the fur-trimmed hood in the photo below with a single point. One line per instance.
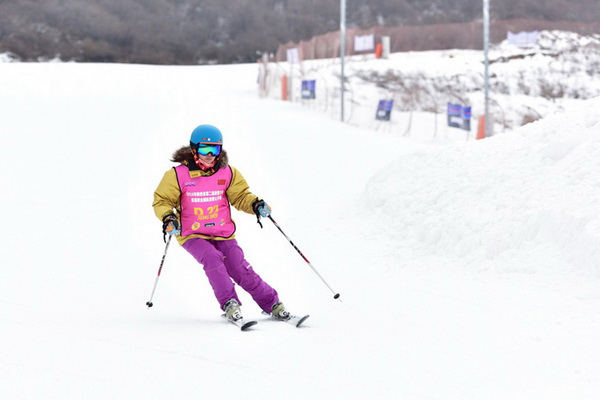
(184, 156)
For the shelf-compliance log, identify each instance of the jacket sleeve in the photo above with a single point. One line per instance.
(239, 194)
(167, 195)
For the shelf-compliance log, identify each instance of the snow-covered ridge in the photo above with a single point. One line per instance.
(530, 192)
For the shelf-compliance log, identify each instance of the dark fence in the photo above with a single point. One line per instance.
(427, 37)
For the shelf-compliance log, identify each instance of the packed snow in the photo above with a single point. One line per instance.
(467, 269)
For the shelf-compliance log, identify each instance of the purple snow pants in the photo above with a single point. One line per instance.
(223, 260)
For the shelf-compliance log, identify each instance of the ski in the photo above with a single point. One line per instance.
(295, 320)
(243, 325)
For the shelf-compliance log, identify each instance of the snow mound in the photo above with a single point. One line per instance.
(530, 195)
(7, 57)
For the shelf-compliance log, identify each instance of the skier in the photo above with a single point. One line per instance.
(193, 201)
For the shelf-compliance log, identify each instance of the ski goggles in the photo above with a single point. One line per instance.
(206, 149)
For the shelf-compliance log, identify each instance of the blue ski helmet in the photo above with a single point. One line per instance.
(206, 134)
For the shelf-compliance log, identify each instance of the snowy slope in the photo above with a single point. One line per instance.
(467, 271)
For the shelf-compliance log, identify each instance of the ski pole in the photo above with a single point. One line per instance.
(335, 295)
(149, 302)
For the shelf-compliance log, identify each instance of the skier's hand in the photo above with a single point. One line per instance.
(261, 209)
(171, 225)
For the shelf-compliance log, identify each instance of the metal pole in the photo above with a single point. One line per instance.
(162, 261)
(486, 47)
(342, 50)
(335, 295)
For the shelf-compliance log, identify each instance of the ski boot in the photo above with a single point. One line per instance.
(279, 312)
(232, 311)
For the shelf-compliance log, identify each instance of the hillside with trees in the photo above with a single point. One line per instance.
(227, 31)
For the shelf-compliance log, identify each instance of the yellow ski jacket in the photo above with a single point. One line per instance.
(167, 196)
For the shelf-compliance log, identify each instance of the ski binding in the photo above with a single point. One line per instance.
(243, 325)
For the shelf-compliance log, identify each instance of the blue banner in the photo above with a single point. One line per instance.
(459, 116)
(308, 89)
(384, 110)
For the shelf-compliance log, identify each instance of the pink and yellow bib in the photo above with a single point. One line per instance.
(205, 207)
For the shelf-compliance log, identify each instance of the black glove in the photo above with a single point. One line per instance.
(261, 209)
(170, 226)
